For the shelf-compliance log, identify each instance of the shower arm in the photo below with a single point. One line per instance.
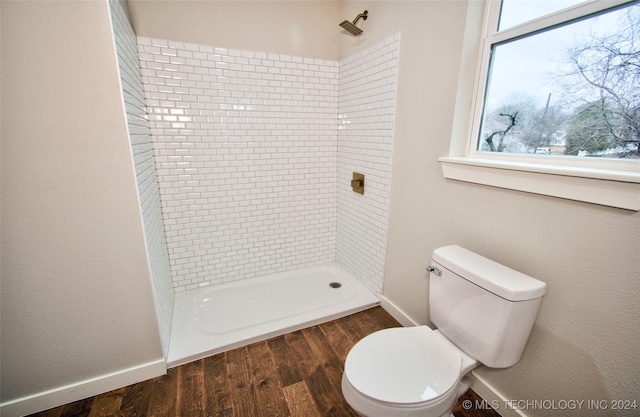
(362, 16)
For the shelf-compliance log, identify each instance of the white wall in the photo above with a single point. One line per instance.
(297, 27)
(145, 167)
(77, 305)
(584, 344)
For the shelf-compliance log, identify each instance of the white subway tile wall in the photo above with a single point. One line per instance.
(254, 154)
(148, 189)
(367, 97)
(246, 150)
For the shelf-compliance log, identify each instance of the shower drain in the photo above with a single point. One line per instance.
(335, 285)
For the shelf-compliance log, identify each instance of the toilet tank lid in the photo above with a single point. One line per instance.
(490, 275)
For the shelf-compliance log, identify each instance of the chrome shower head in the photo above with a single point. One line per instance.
(351, 26)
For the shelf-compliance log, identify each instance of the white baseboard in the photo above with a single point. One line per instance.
(83, 389)
(492, 396)
(396, 312)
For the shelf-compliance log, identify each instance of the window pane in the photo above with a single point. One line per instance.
(574, 90)
(514, 12)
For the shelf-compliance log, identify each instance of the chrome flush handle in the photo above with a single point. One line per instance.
(434, 270)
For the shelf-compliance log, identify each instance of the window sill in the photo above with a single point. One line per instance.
(604, 187)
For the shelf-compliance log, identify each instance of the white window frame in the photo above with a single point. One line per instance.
(609, 182)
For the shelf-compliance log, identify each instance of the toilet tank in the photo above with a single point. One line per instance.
(483, 307)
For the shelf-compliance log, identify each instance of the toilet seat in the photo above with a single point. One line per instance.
(404, 366)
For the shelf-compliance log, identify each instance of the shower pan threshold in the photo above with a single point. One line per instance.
(221, 317)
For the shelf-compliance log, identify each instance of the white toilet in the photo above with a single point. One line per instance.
(484, 312)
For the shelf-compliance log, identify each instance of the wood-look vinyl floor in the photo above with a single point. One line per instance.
(297, 374)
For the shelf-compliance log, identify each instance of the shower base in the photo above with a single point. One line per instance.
(214, 319)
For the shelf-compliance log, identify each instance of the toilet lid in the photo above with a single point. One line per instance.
(403, 365)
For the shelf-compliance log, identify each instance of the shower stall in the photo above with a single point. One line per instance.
(244, 161)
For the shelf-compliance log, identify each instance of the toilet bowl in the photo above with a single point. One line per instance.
(404, 372)
(484, 313)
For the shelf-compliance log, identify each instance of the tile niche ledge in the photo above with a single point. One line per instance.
(618, 189)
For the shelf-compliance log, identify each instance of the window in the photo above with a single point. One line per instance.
(557, 101)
